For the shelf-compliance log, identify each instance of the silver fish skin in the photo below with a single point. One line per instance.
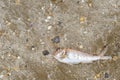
(70, 56)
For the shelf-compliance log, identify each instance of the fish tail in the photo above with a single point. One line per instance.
(106, 57)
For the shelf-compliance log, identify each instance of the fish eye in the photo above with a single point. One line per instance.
(63, 55)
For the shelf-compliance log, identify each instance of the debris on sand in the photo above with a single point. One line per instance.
(45, 52)
(106, 75)
(56, 39)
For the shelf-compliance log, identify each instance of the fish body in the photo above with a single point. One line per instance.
(70, 56)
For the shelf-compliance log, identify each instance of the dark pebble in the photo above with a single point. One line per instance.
(78, 2)
(26, 40)
(26, 66)
(59, 23)
(32, 46)
(106, 75)
(45, 52)
(56, 39)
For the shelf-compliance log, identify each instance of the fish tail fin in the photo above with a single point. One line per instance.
(106, 57)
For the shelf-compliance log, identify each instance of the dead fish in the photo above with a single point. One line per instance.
(70, 56)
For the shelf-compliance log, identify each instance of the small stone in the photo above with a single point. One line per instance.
(49, 27)
(59, 23)
(81, 46)
(17, 2)
(85, 32)
(106, 75)
(9, 55)
(82, 1)
(45, 52)
(42, 43)
(27, 40)
(97, 76)
(65, 37)
(28, 19)
(8, 23)
(19, 19)
(43, 8)
(33, 47)
(90, 4)
(115, 58)
(13, 33)
(56, 39)
(28, 30)
(48, 17)
(46, 20)
(2, 57)
(82, 19)
(9, 74)
(18, 57)
(103, 12)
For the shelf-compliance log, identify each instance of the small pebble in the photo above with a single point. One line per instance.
(19, 19)
(59, 23)
(49, 27)
(56, 39)
(43, 8)
(82, 19)
(13, 33)
(97, 76)
(8, 23)
(45, 52)
(2, 57)
(27, 40)
(9, 55)
(46, 20)
(33, 47)
(81, 46)
(106, 75)
(115, 58)
(9, 74)
(18, 57)
(85, 32)
(28, 19)
(17, 2)
(82, 1)
(49, 17)
(42, 43)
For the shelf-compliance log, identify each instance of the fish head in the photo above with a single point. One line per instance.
(64, 56)
(60, 54)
